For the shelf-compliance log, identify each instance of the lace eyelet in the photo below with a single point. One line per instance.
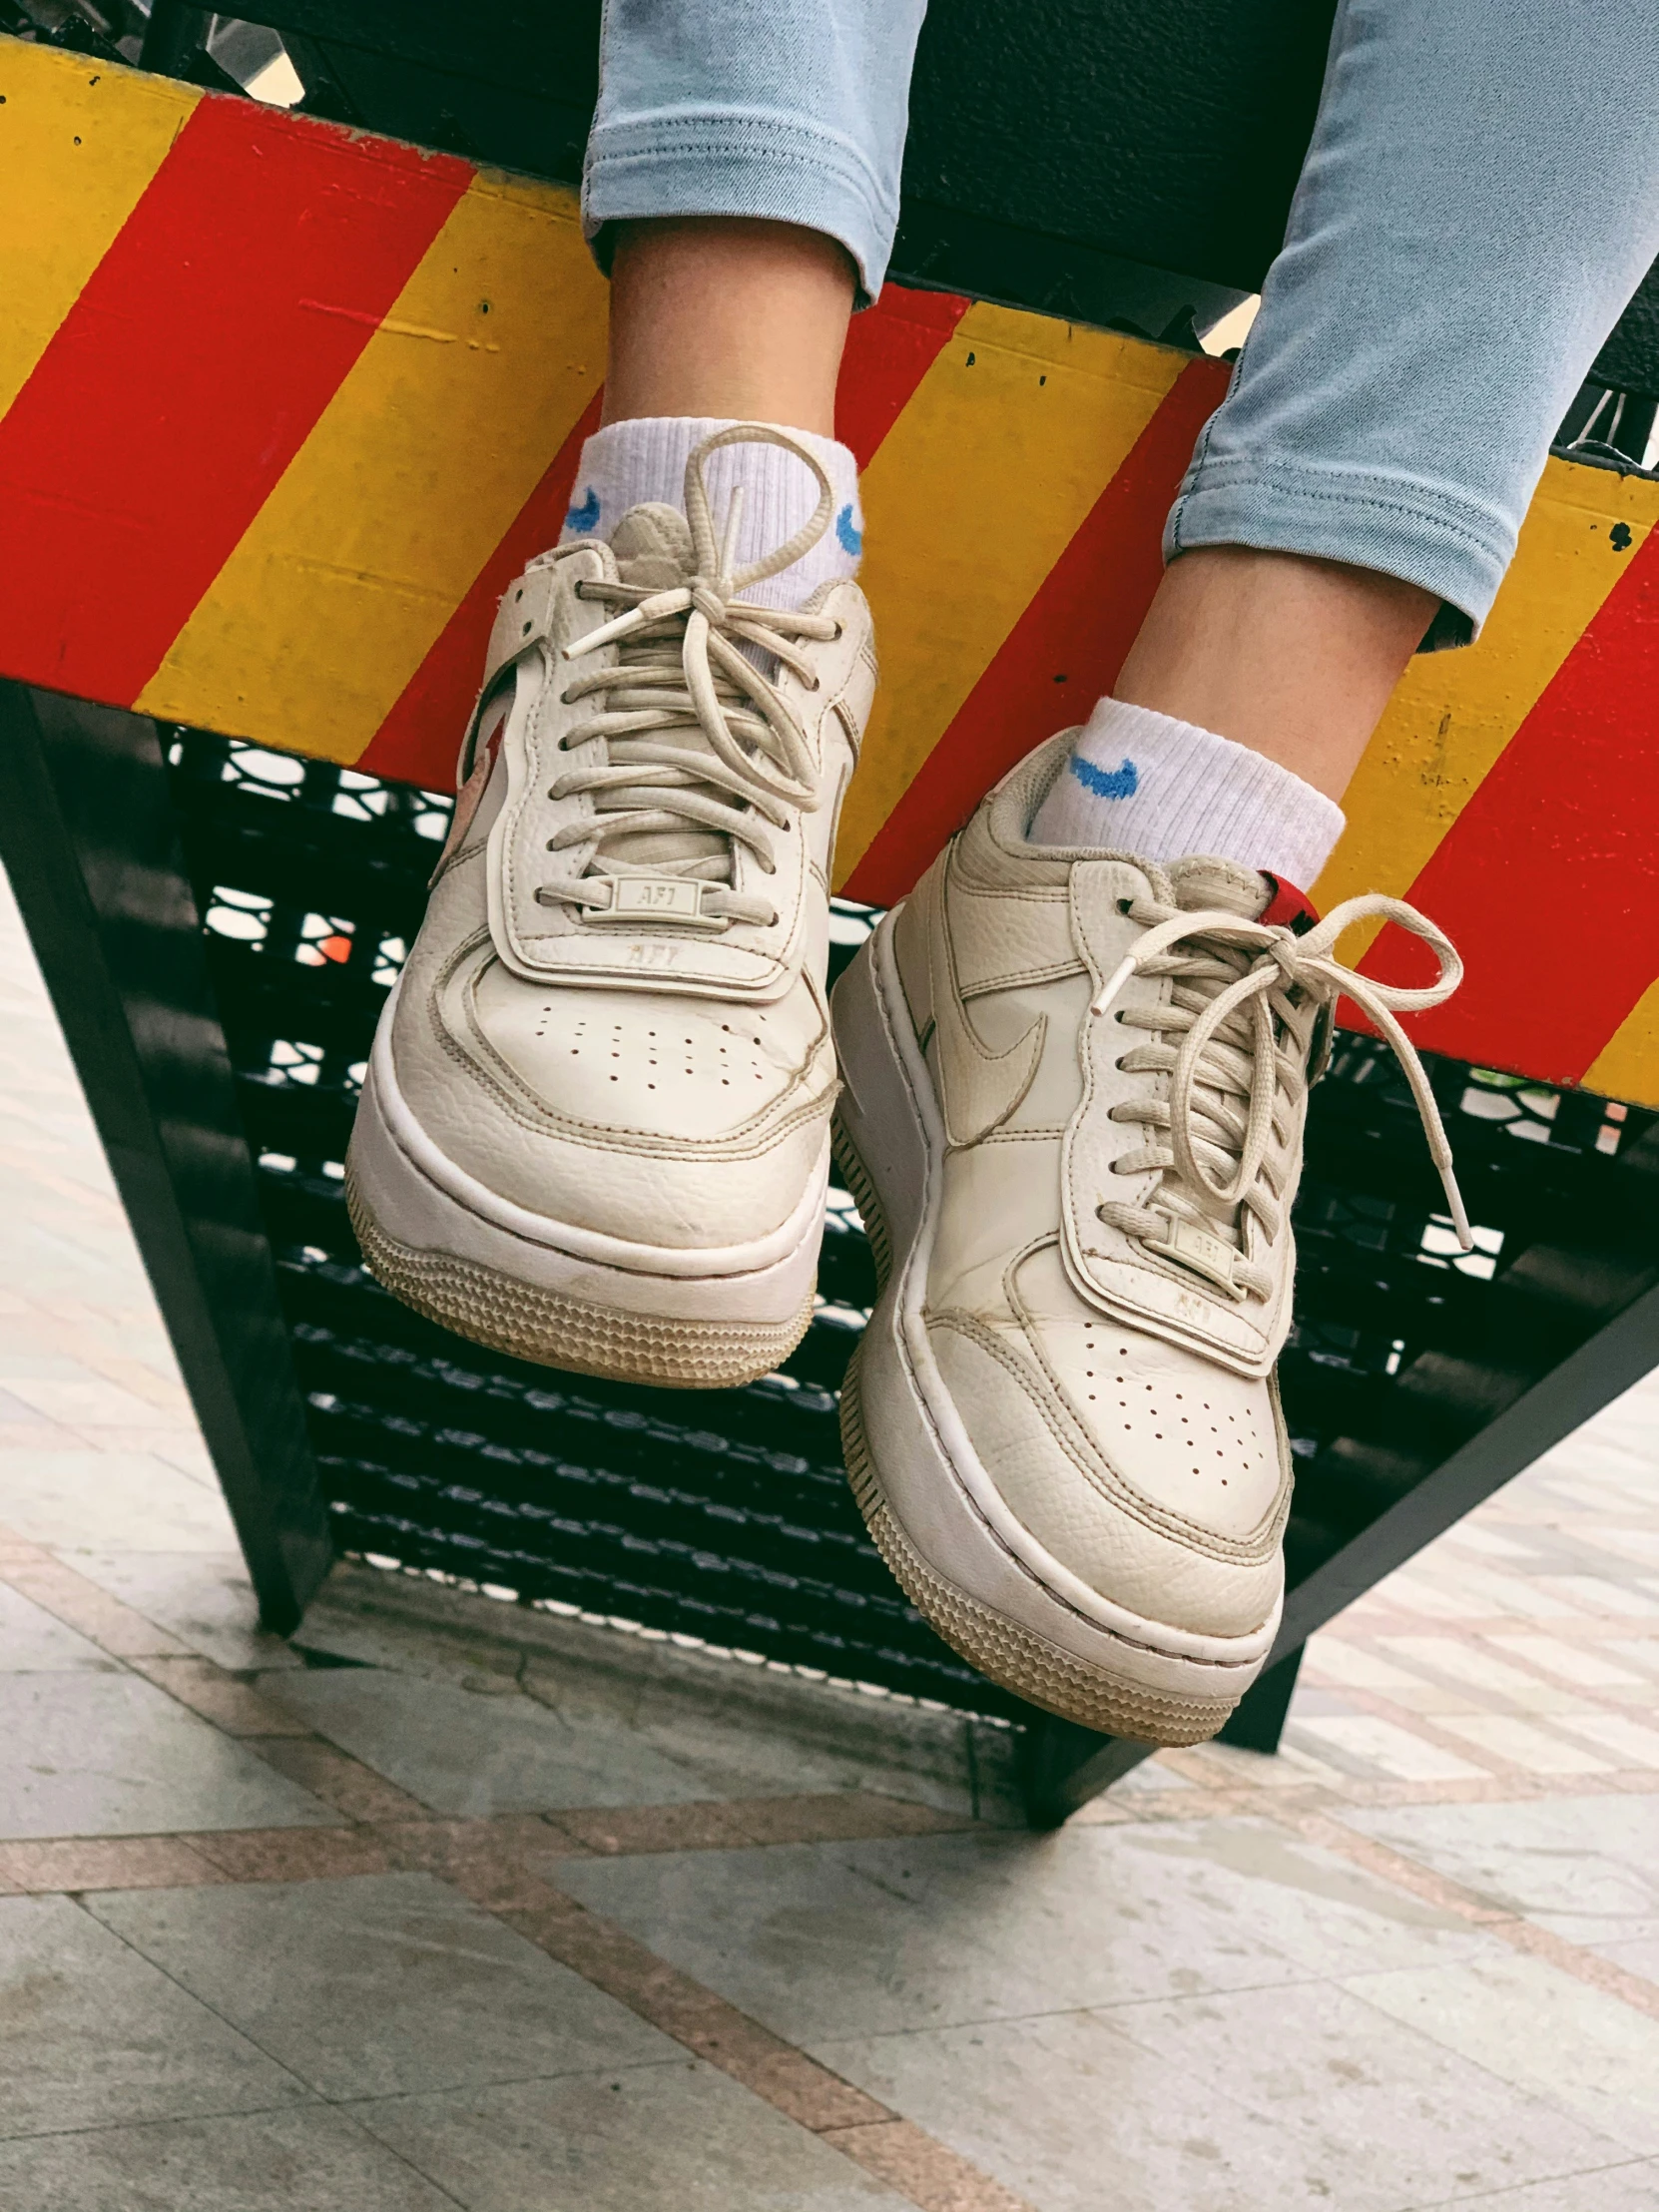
(838, 632)
(1124, 906)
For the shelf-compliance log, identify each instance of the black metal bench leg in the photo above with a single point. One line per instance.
(1062, 1765)
(1259, 1719)
(90, 841)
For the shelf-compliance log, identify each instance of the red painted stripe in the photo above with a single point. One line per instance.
(419, 740)
(1063, 653)
(1548, 882)
(890, 349)
(248, 280)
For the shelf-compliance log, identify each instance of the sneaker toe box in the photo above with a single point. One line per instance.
(1142, 1519)
(658, 1123)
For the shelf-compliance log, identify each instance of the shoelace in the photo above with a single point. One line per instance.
(681, 668)
(1249, 1024)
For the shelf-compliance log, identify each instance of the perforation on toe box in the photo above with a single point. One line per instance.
(663, 1068)
(1187, 1436)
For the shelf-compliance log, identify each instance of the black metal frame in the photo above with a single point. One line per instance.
(90, 839)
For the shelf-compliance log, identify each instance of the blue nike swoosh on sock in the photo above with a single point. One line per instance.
(586, 516)
(1106, 782)
(852, 537)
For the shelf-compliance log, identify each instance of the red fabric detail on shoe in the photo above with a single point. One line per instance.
(1288, 908)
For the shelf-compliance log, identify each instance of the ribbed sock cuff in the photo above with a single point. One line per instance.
(628, 463)
(1143, 783)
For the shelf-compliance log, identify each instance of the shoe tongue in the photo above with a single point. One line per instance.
(653, 547)
(1202, 883)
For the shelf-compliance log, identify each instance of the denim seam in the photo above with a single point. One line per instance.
(1237, 476)
(772, 136)
(844, 180)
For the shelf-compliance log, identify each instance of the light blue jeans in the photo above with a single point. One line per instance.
(1479, 202)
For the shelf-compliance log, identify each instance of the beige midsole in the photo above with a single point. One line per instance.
(930, 1477)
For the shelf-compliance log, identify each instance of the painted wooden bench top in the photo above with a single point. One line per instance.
(283, 408)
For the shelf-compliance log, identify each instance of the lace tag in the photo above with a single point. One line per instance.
(1190, 1247)
(675, 898)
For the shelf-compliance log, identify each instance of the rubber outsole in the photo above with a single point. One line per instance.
(531, 1323)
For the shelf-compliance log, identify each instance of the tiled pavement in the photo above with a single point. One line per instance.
(451, 1904)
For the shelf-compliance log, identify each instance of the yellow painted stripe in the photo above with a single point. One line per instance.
(1454, 713)
(79, 142)
(412, 477)
(1627, 1066)
(971, 498)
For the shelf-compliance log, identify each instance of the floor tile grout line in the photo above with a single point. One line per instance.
(102, 1602)
(1507, 1926)
(1223, 1798)
(1485, 2196)
(585, 2072)
(166, 2119)
(1113, 2007)
(1433, 1674)
(227, 1677)
(1380, 1706)
(934, 2177)
(1455, 1632)
(312, 2101)
(949, 2183)
(402, 2158)
(1366, 1620)
(940, 2187)
(1205, 1799)
(196, 1997)
(218, 1851)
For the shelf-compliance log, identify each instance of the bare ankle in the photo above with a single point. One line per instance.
(1293, 657)
(730, 319)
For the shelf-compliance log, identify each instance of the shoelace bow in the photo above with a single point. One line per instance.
(1247, 995)
(679, 667)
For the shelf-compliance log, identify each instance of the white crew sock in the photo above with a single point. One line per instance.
(1140, 782)
(628, 463)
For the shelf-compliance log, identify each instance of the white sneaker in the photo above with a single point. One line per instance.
(596, 1126)
(1075, 1085)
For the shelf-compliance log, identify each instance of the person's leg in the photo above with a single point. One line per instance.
(1288, 655)
(719, 319)
(596, 1129)
(727, 316)
(1476, 210)
(741, 185)
(1076, 1059)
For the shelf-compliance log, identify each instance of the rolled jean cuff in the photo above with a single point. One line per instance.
(773, 168)
(1369, 518)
